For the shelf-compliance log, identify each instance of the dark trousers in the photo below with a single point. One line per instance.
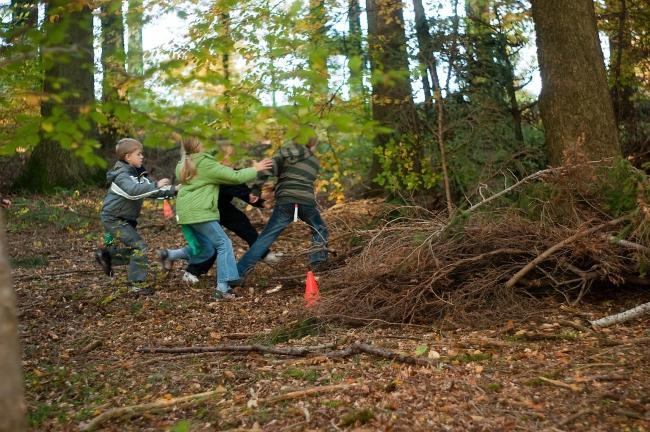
(135, 253)
(236, 221)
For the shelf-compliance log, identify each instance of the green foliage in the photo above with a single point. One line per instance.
(622, 188)
(307, 327)
(181, 426)
(310, 375)
(357, 416)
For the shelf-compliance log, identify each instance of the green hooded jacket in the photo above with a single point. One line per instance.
(197, 200)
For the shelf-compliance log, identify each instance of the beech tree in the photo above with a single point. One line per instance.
(575, 102)
(67, 135)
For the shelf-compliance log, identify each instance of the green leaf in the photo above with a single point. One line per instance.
(421, 350)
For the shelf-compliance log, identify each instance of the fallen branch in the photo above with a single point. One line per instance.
(296, 352)
(137, 409)
(359, 348)
(353, 349)
(621, 317)
(550, 251)
(561, 384)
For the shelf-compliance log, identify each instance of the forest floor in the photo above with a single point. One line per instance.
(80, 332)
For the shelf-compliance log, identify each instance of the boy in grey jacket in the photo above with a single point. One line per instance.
(129, 185)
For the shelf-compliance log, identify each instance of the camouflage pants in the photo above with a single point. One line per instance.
(135, 252)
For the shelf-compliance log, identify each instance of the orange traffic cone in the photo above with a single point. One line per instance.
(311, 290)
(168, 213)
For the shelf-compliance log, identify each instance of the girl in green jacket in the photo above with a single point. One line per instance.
(197, 204)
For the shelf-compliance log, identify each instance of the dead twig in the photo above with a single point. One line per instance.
(561, 384)
(137, 409)
(359, 348)
(291, 351)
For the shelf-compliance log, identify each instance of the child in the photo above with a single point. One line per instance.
(197, 205)
(296, 168)
(129, 185)
(231, 218)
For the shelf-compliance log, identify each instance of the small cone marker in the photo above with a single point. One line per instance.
(168, 213)
(311, 290)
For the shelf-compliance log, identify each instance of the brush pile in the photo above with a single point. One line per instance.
(566, 231)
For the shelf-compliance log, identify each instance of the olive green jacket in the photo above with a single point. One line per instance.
(198, 199)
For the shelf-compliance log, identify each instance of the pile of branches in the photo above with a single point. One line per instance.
(498, 258)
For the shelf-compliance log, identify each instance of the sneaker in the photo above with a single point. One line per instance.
(273, 257)
(103, 258)
(189, 278)
(138, 290)
(220, 295)
(163, 259)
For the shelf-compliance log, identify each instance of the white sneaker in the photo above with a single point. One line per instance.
(189, 278)
(273, 257)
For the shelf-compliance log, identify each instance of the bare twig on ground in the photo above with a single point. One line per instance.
(621, 317)
(572, 387)
(291, 351)
(137, 409)
(359, 348)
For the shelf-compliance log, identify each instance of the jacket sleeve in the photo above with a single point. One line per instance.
(127, 186)
(221, 174)
(263, 176)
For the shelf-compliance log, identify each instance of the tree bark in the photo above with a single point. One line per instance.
(135, 55)
(427, 61)
(392, 100)
(69, 85)
(12, 402)
(113, 83)
(575, 103)
(355, 49)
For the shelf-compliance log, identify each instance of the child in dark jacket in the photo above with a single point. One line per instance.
(129, 185)
(296, 168)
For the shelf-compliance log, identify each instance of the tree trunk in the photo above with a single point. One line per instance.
(621, 68)
(355, 50)
(135, 55)
(482, 70)
(12, 402)
(67, 57)
(575, 103)
(318, 52)
(392, 100)
(24, 17)
(114, 78)
(427, 61)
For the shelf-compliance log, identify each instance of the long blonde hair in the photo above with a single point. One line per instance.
(190, 146)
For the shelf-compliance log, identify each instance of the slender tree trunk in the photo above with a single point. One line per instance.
(453, 50)
(575, 103)
(392, 99)
(482, 70)
(12, 402)
(114, 78)
(24, 17)
(318, 52)
(427, 61)
(355, 50)
(135, 55)
(621, 69)
(68, 80)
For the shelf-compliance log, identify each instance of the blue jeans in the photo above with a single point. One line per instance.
(226, 264)
(281, 217)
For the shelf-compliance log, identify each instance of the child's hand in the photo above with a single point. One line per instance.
(253, 198)
(262, 165)
(4, 202)
(163, 182)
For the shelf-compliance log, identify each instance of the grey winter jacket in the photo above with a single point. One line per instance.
(128, 187)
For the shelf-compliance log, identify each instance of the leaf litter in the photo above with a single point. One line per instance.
(80, 333)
